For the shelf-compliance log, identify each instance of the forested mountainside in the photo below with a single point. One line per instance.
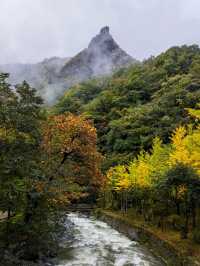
(53, 76)
(147, 120)
(141, 102)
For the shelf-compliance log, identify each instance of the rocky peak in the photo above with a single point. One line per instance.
(105, 30)
(102, 57)
(103, 41)
(53, 76)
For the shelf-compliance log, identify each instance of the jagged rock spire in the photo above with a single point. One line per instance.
(103, 41)
(105, 30)
(102, 56)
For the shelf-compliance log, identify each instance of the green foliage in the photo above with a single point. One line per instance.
(163, 185)
(20, 137)
(80, 95)
(139, 103)
(20, 117)
(44, 164)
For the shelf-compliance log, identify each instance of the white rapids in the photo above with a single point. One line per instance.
(97, 244)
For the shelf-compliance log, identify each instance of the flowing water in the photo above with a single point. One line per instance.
(95, 243)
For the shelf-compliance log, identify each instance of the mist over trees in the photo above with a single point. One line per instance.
(126, 142)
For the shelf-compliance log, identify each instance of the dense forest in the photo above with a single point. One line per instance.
(138, 103)
(147, 120)
(126, 142)
(45, 163)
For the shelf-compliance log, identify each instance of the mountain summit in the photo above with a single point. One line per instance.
(102, 57)
(53, 76)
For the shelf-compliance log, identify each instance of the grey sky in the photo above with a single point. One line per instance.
(31, 30)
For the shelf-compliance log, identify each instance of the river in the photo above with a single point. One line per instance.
(95, 243)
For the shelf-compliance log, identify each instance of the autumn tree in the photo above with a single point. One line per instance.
(164, 183)
(71, 159)
(44, 165)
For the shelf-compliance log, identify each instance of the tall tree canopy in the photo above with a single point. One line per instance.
(45, 163)
(137, 104)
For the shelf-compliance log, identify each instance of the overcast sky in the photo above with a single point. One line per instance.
(31, 30)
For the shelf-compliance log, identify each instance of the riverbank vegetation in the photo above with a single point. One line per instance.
(162, 187)
(147, 120)
(45, 163)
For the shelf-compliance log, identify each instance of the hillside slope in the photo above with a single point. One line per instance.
(139, 103)
(53, 76)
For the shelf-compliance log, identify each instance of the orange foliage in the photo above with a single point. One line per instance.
(70, 143)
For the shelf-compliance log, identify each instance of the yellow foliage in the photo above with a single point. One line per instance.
(148, 168)
(186, 148)
(180, 152)
(118, 178)
(159, 159)
(194, 112)
(182, 191)
(140, 170)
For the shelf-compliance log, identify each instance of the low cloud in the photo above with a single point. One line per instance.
(33, 30)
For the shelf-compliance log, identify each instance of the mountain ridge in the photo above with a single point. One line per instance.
(102, 56)
(54, 75)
